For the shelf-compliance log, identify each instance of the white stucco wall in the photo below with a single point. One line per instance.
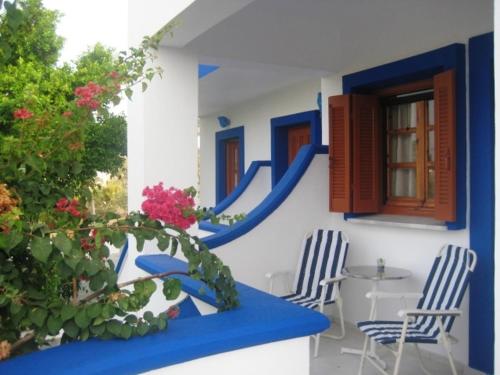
(255, 116)
(253, 194)
(288, 357)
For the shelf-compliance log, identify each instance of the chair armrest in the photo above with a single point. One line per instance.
(331, 280)
(391, 295)
(274, 274)
(418, 312)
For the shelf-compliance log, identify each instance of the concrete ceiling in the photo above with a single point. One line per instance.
(268, 44)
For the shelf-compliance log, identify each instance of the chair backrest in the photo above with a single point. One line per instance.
(446, 283)
(323, 256)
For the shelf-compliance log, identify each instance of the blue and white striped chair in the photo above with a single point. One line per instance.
(431, 321)
(318, 276)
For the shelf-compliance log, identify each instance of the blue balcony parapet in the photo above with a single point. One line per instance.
(261, 319)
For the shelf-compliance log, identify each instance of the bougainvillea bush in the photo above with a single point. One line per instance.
(57, 131)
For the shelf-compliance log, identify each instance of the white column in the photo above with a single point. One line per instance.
(162, 133)
(331, 85)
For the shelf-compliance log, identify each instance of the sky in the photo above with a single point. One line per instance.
(84, 23)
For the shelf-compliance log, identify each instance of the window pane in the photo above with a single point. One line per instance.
(403, 182)
(402, 116)
(430, 146)
(431, 183)
(403, 148)
(430, 112)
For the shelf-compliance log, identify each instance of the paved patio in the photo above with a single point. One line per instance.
(330, 361)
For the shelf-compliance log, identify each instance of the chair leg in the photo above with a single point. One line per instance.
(341, 317)
(316, 344)
(400, 349)
(363, 355)
(447, 346)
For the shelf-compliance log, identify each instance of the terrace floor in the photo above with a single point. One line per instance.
(331, 361)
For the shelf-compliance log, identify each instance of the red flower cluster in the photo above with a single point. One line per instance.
(173, 312)
(86, 95)
(22, 114)
(71, 207)
(114, 74)
(172, 206)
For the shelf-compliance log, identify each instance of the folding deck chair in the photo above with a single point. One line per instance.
(432, 320)
(318, 276)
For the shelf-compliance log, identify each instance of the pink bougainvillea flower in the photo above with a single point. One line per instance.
(71, 207)
(114, 74)
(87, 95)
(172, 206)
(22, 114)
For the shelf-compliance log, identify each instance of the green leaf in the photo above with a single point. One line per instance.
(171, 288)
(140, 241)
(81, 319)
(118, 239)
(71, 329)
(38, 316)
(142, 328)
(41, 248)
(98, 330)
(92, 267)
(94, 310)
(114, 327)
(175, 244)
(126, 331)
(96, 282)
(108, 311)
(144, 86)
(131, 319)
(148, 316)
(163, 242)
(63, 243)
(128, 93)
(10, 240)
(68, 311)
(54, 325)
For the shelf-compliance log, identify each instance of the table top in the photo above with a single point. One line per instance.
(371, 273)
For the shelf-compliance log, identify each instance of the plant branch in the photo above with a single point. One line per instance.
(127, 283)
(25, 339)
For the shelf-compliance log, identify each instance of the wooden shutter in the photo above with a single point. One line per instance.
(444, 104)
(340, 153)
(367, 192)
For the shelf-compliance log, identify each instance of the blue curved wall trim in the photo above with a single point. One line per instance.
(242, 186)
(279, 138)
(121, 259)
(206, 225)
(482, 201)
(261, 319)
(220, 158)
(279, 193)
(420, 67)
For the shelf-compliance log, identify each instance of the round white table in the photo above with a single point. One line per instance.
(372, 273)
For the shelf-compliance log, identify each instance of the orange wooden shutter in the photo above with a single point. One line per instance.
(340, 153)
(367, 194)
(444, 104)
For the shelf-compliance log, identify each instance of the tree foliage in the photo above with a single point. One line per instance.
(57, 131)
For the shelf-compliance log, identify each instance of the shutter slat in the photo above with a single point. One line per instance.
(366, 154)
(444, 102)
(340, 153)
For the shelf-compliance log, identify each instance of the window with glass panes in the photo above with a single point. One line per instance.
(409, 144)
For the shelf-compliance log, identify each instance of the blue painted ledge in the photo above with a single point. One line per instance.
(273, 200)
(260, 319)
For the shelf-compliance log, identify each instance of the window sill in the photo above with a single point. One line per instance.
(411, 222)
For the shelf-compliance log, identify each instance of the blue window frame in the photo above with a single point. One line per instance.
(279, 139)
(425, 66)
(220, 158)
